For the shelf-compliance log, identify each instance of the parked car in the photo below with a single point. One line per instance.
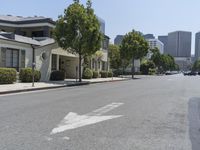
(171, 72)
(193, 73)
(186, 73)
(190, 73)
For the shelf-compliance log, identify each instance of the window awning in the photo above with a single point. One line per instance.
(60, 51)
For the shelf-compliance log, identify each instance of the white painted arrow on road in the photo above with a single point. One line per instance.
(73, 120)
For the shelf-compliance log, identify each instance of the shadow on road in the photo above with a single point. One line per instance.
(194, 122)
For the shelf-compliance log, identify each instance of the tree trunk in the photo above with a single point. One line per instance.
(133, 68)
(123, 68)
(80, 68)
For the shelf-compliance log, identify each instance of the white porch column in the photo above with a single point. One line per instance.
(57, 63)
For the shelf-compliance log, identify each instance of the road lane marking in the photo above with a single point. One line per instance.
(66, 138)
(73, 120)
(48, 138)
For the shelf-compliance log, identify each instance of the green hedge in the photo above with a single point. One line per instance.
(117, 72)
(25, 75)
(104, 74)
(145, 66)
(87, 73)
(152, 71)
(7, 75)
(110, 74)
(95, 74)
(57, 76)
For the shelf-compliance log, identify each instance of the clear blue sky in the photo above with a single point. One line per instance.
(148, 16)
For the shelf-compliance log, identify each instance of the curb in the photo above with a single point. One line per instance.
(61, 86)
(78, 84)
(109, 81)
(28, 90)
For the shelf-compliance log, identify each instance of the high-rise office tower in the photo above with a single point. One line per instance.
(179, 44)
(197, 45)
(164, 40)
(118, 39)
(149, 36)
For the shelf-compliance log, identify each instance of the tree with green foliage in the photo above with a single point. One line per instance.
(196, 65)
(157, 58)
(78, 31)
(163, 62)
(114, 55)
(133, 46)
(146, 65)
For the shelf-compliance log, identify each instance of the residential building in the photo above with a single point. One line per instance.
(155, 43)
(118, 39)
(103, 63)
(197, 46)
(164, 40)
(149, 36)
(27, 40)
(34, 27)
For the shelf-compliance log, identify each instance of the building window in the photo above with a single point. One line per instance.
(99, 65)
(103, 65)
(23, 33)
(54, 62)
(93, 64)
(12, 58)
(105, 44)
(23, 56)
(38, 34)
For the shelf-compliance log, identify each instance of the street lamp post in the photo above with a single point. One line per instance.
(78, 37)
(33, 74)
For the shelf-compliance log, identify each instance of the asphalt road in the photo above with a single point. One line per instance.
(151, 113)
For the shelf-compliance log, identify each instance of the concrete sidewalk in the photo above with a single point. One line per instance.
(24, 87)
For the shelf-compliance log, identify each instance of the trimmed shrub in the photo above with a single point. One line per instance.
(152, 71)
(104, 74)
(95, 74)
(57, 76)
(138, 73)
(25, 75)
(145, 66)
(110, 74)
(87, 73)
(7, 75)
(117, 72)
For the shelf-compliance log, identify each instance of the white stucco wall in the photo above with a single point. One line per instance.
(20, 46)
(44, 65)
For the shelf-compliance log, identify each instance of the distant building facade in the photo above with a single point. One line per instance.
(164, 40)
(149, 36)
(102, 25)
(118, 39)
(179, 44)
(197, 46)
(184, 63)
(155, 43)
